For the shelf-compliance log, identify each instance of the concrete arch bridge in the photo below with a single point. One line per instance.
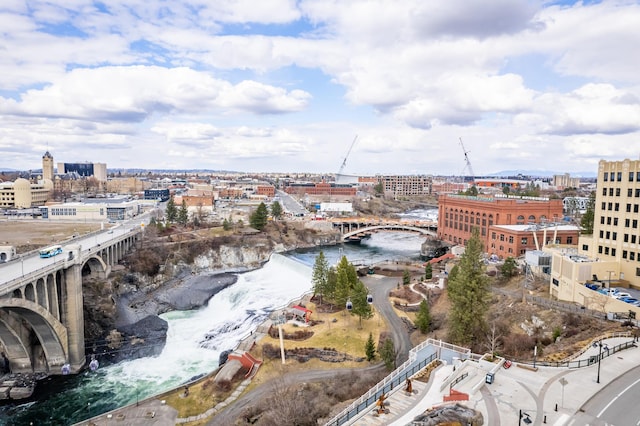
(350, 235)
(41, 301)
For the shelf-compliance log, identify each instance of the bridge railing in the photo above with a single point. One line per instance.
(54, 265)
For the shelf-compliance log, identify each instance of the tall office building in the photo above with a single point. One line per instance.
(47, 166)
(616, 236)
(96, 170)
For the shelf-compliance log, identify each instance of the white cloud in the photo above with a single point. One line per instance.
(132, 94)
(593, 108)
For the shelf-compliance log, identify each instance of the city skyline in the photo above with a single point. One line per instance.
(284, 85)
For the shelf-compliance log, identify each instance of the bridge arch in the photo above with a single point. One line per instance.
(388, 227)
(95, 267)
(51, 334)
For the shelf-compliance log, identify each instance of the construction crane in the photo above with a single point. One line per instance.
(344, 162)
(467, 161)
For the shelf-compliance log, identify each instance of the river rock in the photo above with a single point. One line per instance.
(144, 338)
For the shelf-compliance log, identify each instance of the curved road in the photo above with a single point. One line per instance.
(617, 403)
(379, 286)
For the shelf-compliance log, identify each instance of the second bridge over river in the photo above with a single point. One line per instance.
(353, 230)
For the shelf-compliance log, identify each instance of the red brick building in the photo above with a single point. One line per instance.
(459, 214)
(266, 190)
(324, 188)
(515, 240)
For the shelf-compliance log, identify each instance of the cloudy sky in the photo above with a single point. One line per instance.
(286, 85)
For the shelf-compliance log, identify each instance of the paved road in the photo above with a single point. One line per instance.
(379, 286)
(616, 403)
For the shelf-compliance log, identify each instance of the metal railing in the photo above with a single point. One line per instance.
(387, 385)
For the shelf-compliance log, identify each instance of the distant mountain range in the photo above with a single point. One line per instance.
(541, 173)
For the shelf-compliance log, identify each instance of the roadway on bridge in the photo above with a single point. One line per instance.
(32, 262)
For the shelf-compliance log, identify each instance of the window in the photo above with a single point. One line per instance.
(627, 223)
(600, 249)
(501, 237)
(637, 272)
(626, 238)
(610, 192)
(608, 235)
(637, 192)
(610, 206)
(637, 176)
(614, 236)
(612, 176)
(635, 208)
(493, 235)
(624, 254)
(601, 233)
(604, 192)
(585, 247)
(630, 176)
(510, 240)
(628, 208)
(633, 239)
(606, 251)
(606, 177)
(604, 206)
(619, 177)
(630, 192)
(609, 220)
(569, 240)
(532, 218)
(615, 221)
(617, 192)
(510, 250)
(634, 223)
(524, 240)
(613, 251)
(632, 256)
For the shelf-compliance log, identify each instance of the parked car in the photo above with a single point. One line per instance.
(592, 286)
(629, 299)
(621, 295)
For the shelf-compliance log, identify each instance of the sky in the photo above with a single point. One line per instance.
(360, 86)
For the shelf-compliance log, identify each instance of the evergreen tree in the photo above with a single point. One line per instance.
(320, 275)
(509, 267)
(428, 271)
(171, 210)
(406, 277)
(388, 354)
(226, 225)
(469, 294)
(370, 348)
(258, 219)
(343, 284)
(332, 283)
(183, 213)
(423, 317)
(276, 210)
(586, 222)
(361, 307)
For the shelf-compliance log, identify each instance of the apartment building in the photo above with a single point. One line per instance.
(616, 232)
(565, 181)
(406, 185)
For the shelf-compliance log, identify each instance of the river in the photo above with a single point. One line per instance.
(196, 338)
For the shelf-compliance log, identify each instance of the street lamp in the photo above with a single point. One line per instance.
(523, 417)
(599, 358)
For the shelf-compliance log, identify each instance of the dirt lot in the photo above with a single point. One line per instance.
(30, 234)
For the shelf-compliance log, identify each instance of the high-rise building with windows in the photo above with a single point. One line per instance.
(47, 166)
(616, 232)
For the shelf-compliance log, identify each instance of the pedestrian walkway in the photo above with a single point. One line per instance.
(544, 395)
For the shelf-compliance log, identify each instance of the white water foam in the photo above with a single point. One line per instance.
(195, 339)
